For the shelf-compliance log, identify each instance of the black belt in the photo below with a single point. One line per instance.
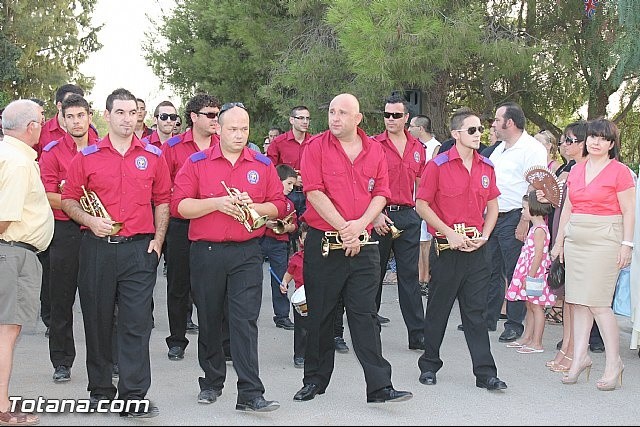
(21, 245)
(180, 220)
(394, 208)
(121, 239)
(501, 214)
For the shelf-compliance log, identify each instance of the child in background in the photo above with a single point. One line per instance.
(532, 266)
(294, 271)
(274, 245)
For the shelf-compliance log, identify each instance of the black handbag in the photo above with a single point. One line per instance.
(555, 280)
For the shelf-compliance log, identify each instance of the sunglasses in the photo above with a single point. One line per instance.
(230, 105)
(472, 130)
(388, 115)
(165, 116)
(568, 140)
(211, 115)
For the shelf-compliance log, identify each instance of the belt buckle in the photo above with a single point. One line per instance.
(111, 241)
(394, 208)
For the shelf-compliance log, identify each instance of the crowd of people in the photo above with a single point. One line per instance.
(93, 215)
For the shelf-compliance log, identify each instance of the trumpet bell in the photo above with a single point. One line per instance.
(116, 227)
(395, 233)
(257, 221)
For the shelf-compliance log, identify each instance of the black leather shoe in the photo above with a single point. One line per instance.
(340, 345)
(258, 404)
(417, 344)
(509, 335)
(95, 399)
(307, 392)
(149, 412)
(192, 328)
(208, 396)
(298, 362)
(388, 394)
(428, 378)
(285, 323)
(491, 383)
(176, 353)
(596, 347)
(62, 374)
(460, 327)
(383, 320)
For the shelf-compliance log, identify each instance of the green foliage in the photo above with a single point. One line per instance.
(53, 38)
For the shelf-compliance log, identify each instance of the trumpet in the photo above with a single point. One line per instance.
(248, 213)
(471, 232)
(282, 223)
(395, 232)
(92, 205)
(332, 240)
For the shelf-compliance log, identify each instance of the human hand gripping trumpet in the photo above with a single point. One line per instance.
(346, 239)
(462, 238)
(238, 206)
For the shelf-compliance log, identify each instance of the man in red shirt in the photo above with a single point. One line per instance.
(456, 188)
(141, 130)
(164, 117)
(202, 119)
(65, 247)
(405, 159)
(225, 256)
(128, 177)
(347, 186)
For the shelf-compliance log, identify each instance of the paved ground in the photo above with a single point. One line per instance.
(535, 395)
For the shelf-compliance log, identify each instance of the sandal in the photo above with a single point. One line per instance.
(551, 363)
(528, 350)
(18, 419)
(559, 367)
(514, 344)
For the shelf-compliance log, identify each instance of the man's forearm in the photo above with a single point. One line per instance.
(161, 217)
(74, 211)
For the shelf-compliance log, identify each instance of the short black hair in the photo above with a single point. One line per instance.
(397, 99)
(197, 103)
(424, 122)
(294, 110)
(578, 129)
(68, 88)
(163, 104)
(536, 207)
(286, 171)
(514, 112)
(120, 95)
(75, 100)
(606, 129)
(460, 115)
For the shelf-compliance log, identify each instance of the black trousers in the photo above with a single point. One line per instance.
(128, 272)
(462, 275)
(299, 334)
(234, 271)
(406, 249)
(356, 279)
(45, 299)
(178, 281)
(63, 256)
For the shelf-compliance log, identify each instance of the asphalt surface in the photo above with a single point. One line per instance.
(535, 395)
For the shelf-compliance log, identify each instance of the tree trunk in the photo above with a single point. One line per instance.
(598, 101)
(434, 106)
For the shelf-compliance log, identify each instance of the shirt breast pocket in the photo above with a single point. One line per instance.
(452, 192)
(334, 180)
(144, 186)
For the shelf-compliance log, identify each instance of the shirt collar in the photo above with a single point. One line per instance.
(21, 146)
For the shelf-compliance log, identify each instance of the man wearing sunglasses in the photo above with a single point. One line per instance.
(405, 160)
(202, 119)
(458, 187)
(164, 117)
(225, 256)
(517, 152)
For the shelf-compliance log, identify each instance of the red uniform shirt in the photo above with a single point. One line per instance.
(284, 149)
(455, 195)
(201, 177)
(350, 186)
(153, 139)
(403, 169)
(51, 131)
(127, 185)
(54, 162)
(177, 149)
(294, 220)
(295, 268)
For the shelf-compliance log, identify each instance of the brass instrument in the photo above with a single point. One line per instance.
(395, 232)
(91, 204)
(282, 223)
(332, 240)
(256, 222)
(471, 232)
(61, 186)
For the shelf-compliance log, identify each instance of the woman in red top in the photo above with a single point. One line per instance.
(595, 238)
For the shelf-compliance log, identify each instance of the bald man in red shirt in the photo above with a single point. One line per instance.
(347, 185)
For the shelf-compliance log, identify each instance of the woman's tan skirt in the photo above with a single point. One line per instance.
(591, 247)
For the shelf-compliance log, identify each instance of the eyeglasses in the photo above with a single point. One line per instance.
(165, 116)
(388, 115)
(211, 115)
(302, 118)
(472, 130)
(230, 105)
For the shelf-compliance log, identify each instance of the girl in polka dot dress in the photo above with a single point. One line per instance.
(533, 263)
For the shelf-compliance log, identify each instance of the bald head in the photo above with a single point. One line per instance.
(21, 120)
(344, 116)
(234, 130)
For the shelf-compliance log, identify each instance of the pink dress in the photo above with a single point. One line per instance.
(516, 290)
